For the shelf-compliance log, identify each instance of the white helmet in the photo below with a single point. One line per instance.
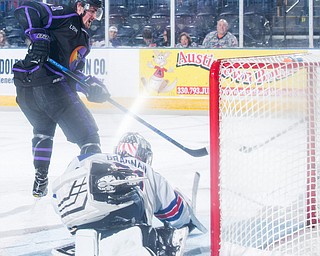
(133, 144)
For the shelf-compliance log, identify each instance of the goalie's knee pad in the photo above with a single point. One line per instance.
(42, 150)
(90, 148)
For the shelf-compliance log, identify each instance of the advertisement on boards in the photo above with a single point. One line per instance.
(184, 72)
(7, 58)
(170, 72)
(158, 74)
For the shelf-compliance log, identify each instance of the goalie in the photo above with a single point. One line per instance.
(48, 98)
(110, 193)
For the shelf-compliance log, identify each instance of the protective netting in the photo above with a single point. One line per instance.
(269, 118)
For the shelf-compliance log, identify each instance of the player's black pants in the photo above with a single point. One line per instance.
(47, 106)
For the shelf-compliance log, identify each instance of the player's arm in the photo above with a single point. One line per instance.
(32, 15)
(34, 18)
(95, 91)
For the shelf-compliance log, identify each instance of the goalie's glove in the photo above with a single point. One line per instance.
(121, 198)
(96, 90)
(39, 49)
(110, 184)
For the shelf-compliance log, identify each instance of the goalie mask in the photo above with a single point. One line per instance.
(133, 144)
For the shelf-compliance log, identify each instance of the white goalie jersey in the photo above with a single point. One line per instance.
(77, 203)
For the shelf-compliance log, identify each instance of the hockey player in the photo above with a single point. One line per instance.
(45, 95)
(114, 192)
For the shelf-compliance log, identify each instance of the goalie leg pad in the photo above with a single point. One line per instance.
(127, 242)
(86, 242)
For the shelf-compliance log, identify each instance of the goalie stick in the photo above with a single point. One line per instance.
(195, 189)
(193, 152)
(248, 149)
(193, 204)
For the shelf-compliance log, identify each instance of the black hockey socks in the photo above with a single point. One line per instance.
(42, 150)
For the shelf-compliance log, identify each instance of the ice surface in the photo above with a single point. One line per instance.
(31, 227)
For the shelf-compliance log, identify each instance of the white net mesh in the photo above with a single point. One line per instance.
(269, 155)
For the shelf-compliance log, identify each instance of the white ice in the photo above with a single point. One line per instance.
(29, 227)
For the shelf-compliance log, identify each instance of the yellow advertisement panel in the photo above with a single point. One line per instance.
(173, 72)
(185, 72)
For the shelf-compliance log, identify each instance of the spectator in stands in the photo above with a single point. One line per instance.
(113, 37)
(165, 41)
(148, 37)
(221, 38)
(185, 41)
(3, 40)
(97, 42)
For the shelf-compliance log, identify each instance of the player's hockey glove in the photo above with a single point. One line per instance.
(96, 90)
(39, 48)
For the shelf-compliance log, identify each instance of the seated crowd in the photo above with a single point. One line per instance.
(153, 33)
(220, 38)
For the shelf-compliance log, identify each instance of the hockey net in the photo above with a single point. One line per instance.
(265, 149)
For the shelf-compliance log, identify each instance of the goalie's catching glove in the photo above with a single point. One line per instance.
(39, 48)
(96, 90)
(113, 185)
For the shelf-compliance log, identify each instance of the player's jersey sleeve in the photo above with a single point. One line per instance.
(69, 40)
(39, 15)
(32, 15)
(161, 199)
(168, 205)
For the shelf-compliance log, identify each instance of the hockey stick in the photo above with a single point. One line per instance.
(195, 188)
(192, 204)
(193, 152)
(248, 149)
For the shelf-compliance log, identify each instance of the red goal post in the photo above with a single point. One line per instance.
(264, 153)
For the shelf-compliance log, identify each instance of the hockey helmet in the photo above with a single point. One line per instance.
(135, 145)
(91, 3)
(95, 3)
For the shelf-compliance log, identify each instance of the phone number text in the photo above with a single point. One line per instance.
(192, 90)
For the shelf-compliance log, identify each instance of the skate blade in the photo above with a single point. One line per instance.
(39, 195)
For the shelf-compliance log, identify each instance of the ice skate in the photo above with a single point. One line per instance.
(171, 241)
(40, 185)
